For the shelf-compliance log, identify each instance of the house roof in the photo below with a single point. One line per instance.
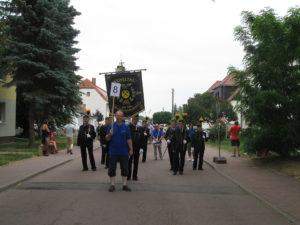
(228, 81)
(233, 95)
(214, 86)
(87, 84)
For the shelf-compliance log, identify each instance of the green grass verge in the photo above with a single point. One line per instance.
(19, 149)
(225, 145)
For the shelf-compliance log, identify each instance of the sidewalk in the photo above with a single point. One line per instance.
(280, 192)
(19, 171)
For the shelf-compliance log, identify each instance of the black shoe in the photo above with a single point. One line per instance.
(143, 161)
(106, 167)
(200, 168)
(194, 168)
(171, 169)
(85, 169)
(71, 153)
(180, 173)
(94, 169)
(102, 163)
(175, 173)
(128, 178)
(135, 178)
(112, 188)
(126, 188)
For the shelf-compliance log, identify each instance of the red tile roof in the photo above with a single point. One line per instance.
(228, 81)
(214, 86)
(87, 84)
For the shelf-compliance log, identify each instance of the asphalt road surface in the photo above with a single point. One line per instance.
(68, 196)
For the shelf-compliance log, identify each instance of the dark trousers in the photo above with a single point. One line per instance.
(84, 156)
(179, 160)
(198, 153)
(171, 153)
(113, 160)
(144, 152)
(104, 156)
(134, 159)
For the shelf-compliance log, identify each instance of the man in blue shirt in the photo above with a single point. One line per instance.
(157, 136)
(120, 149)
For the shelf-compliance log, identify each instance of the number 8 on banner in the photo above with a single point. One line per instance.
(115, 89)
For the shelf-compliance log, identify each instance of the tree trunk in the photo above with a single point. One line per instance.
(31, 125)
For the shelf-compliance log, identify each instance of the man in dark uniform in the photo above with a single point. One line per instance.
(181, 140)
(136, 136)
(102, 131)
(86, 136)
(145, 137)
(198, 143)
(170, 138)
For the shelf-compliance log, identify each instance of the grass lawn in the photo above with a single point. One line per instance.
(19, 149)
(287, 166)
(225, 145)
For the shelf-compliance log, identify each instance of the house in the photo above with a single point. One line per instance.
(94, 98)
(227, 90)
(7, 111)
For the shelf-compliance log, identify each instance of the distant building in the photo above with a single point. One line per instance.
(7, 111)
(228, 90)
(94, 98)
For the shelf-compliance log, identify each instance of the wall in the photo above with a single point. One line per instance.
(8, 126)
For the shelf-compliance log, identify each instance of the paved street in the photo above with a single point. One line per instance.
(68, 196)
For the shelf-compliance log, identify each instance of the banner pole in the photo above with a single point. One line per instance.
(113, 109)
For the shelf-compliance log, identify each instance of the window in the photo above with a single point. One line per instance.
(2, 112)
(88, 93)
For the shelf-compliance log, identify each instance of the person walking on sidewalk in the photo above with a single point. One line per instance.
(69, 131)
(102, 131)
(198, 144)
(157, 136)
(86, 136)
(136, 133)
(120, 149)
(145, 137)
(170, 138)
(234, 138)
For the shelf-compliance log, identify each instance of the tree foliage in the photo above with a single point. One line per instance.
(270, 83)
(40, 56)
(162, 117)
(208, 107)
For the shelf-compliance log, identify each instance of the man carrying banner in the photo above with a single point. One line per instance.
(120, 148)
(136, 133)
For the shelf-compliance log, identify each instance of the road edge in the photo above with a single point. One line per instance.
(290, 218)
(16, 182)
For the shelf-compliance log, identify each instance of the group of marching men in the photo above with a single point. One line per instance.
(178, 137)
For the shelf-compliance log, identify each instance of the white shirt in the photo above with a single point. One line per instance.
(69, 130)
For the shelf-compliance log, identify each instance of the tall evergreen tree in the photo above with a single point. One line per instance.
(40, 52)
(270, 83)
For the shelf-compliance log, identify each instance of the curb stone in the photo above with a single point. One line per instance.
(290, 218)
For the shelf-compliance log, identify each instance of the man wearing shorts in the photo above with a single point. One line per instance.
(120, 149)
(234, 137)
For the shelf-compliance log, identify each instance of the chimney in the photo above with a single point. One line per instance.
(94, 81)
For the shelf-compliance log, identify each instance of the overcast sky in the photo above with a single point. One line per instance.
(185, 45)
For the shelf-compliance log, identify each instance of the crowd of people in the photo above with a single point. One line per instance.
(126, 143)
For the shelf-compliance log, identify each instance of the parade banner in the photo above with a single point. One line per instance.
(131, 99)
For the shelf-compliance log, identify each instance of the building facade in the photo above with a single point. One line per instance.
(7, 111)
(94, 99)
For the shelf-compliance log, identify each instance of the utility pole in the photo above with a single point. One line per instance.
(173, 101)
